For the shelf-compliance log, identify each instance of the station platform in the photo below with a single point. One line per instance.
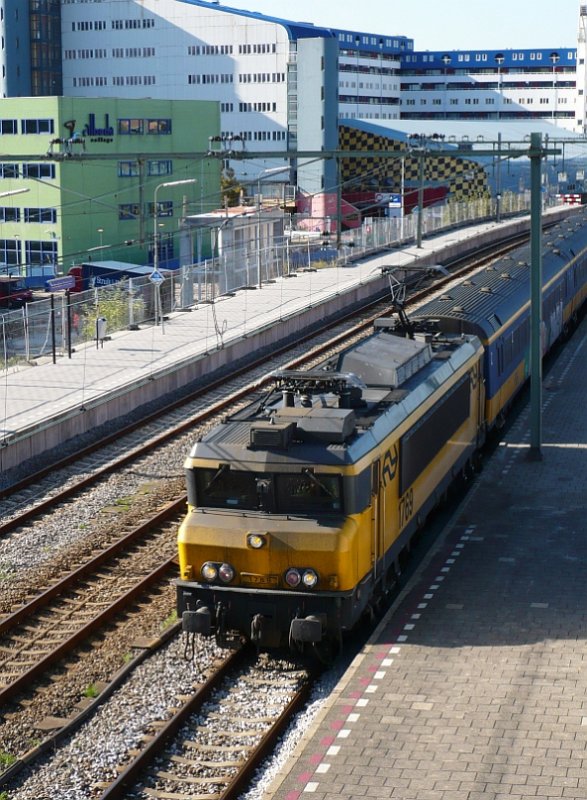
(46, 404)
(474, 685)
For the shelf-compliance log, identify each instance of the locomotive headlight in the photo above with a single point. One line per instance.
(256, 541)
(209, 571)
(309, 578)
(293, 578)
(225, 573)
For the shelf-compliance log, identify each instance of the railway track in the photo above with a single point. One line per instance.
(36, 639)
(218, 736)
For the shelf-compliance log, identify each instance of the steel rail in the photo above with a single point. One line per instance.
(119, 788)
(68, 581)
(26, 678)
(159, 743)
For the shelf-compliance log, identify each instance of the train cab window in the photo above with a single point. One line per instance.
(309, 493)
(226, 488)
(295, 493)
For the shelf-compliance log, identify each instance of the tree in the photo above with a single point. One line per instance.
(230, 188)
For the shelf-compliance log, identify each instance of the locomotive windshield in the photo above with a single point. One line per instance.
(279, 493)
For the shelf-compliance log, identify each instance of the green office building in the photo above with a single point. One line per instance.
(80, 179)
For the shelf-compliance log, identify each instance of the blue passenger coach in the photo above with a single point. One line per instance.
(494, 304)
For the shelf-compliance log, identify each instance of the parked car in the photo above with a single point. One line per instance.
(14, 292)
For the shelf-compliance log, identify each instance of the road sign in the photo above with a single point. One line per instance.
(156, 277)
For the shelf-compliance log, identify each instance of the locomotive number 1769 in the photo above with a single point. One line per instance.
(406, 507)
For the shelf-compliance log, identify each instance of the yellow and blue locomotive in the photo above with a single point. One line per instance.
(300, 506)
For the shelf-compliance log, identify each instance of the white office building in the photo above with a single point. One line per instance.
(509, 85)
(282, 86)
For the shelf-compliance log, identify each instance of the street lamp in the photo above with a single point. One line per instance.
(156, 277)
(101, 232)
(14, 191)
(262, 174)
(165, 185)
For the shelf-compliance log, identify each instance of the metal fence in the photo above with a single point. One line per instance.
(55, 326)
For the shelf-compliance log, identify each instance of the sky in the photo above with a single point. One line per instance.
(440, 24)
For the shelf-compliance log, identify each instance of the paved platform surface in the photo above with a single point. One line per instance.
(474, 687)
(30, 397)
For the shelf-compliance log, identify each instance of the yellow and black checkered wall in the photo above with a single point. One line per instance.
(464, 179)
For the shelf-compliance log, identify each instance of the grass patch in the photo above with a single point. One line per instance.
(91, 691)
(123, 502)
(120, 504)
(6, 760)
(170, 620)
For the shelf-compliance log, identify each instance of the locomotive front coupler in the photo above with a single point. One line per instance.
(198, 621)
(307, 630)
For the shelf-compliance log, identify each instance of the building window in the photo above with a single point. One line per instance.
(37, 126)
(131, 127)
(128, 169)
(39, 253)
(40, 215)
(10, 251)
(164, 208)
(158, 126)
(163, 167)
(128, 211)
(38, 170)
(9, 171)
(9, 214)
(8, 126)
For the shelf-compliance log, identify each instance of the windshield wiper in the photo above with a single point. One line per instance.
(221, 470)
(308, 473)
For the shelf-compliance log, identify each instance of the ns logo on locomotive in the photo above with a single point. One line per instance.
(299, 506)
